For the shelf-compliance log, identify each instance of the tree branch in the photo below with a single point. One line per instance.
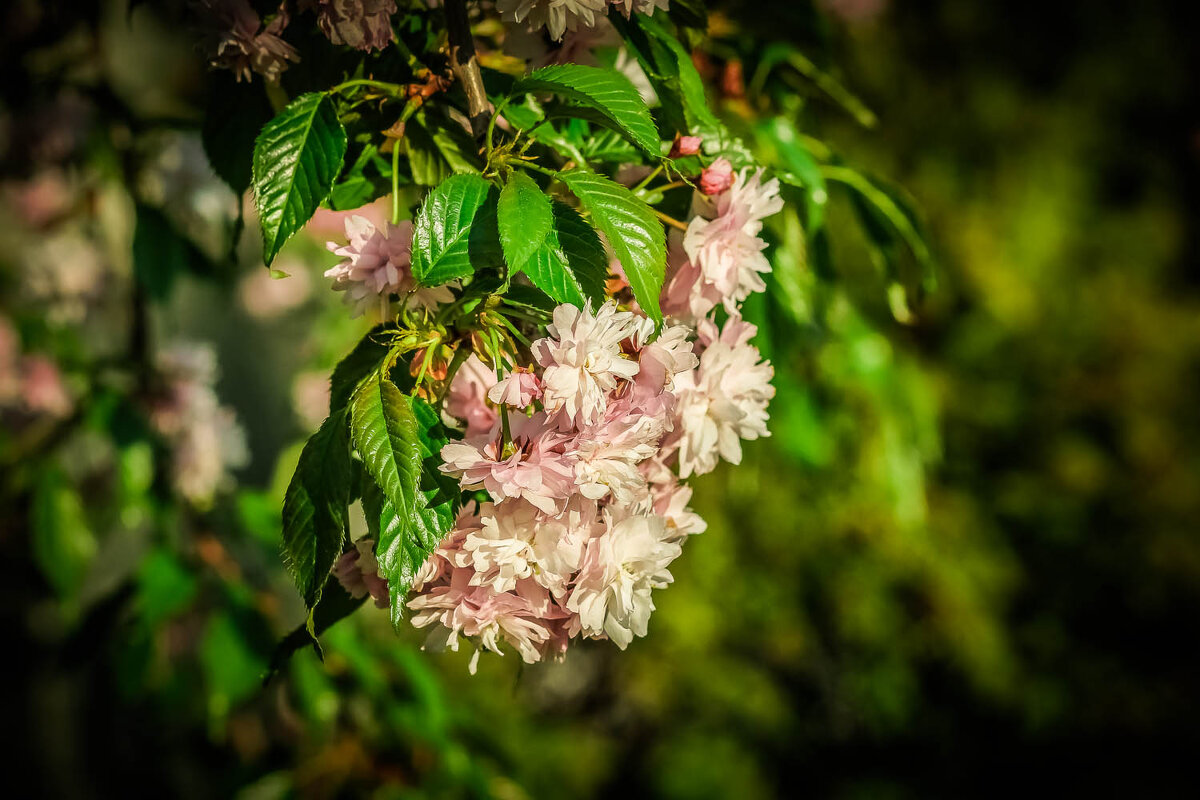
(466, 65)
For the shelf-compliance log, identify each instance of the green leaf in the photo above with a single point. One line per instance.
(315, 508)
(384, 430)
(236, 113)
(606, 91)
(438, 148)
(455, 232)
(633, 232)
(525, 219)
(360, 362)
(297, 157)
(165, 587)
(404, 542)
(571, 265)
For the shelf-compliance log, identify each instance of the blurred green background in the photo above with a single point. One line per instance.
(967, 563)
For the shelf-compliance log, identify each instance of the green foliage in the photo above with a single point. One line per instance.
(63, 543)
(525, 219)
(570, 265)
(314, 508)
(297, 156)
(632, 231)
(455, 233)
(605, 91)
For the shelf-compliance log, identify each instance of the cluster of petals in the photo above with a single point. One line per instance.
(377, 263)
(580, 453)
(721, 259)
(240, 42)
(581, 525)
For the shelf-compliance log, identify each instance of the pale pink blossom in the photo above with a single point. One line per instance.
(724, 400)
(727, 248)
(621, 566)
(518, 388)
(501, 551)
(467, 398)
(606, 455)
(531, 466)
(377, 263)
(205, 439)
(524, 618)
(358, 573)
(670, 501)
(583, 360)
(443, 560)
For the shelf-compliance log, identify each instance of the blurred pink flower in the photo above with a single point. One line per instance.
(467, 397)
(265, 297)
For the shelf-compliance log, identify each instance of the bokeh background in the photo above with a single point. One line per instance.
(967, 563)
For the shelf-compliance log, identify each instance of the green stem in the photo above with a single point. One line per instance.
(395, 181)
(653, 174)
(536, 168)
(674, 223)
(393, 89)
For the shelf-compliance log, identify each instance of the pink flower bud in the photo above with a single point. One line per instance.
(717, 177)
(685, 146)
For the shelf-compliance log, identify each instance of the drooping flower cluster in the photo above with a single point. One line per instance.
(579, 450)
(362, 24)
(377, 263)
(205, 439)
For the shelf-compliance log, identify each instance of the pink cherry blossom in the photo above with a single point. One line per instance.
(724, 400)
(583, 360)
(727, 248)
(358, 573)
(377, 263)
(531, 466)
(685, 146)
(467, 398)
(518, 388)
(612, 593)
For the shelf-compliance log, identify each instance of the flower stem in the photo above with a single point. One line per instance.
(653, 174)
(394, 89)
(674, 223)
(395, 181)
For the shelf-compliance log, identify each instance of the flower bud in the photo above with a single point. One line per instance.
(717, 177)
(685, 146)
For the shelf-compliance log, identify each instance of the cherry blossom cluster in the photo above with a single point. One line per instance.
(579, 447)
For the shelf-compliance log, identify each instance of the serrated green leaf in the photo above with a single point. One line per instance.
(632, 230)
(604, 90)
(571, 265)
(525, 219)
(405, 541)
(297, 157)
(384, 431)
(314, 507)
(455, 232)
(358, 363)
